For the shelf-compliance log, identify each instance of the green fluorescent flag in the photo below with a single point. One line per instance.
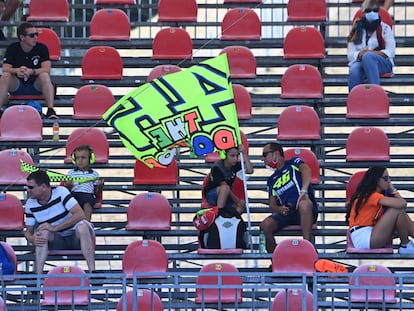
(194, 107)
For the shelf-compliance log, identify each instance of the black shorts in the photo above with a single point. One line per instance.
(83, 197)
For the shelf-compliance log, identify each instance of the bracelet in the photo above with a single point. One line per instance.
(394, 191)
(304, 191)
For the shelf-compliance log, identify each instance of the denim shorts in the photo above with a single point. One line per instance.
(26, 89)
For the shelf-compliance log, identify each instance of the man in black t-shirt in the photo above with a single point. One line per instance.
(26, 68)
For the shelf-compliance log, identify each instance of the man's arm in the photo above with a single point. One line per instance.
(306, 173)
(77, 215)
(45, 66)
(275, 206)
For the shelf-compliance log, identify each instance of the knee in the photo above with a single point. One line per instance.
(44, 78)
(6, 77)
(83, 229)
(268, 225)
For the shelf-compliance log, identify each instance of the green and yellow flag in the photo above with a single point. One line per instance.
(194, 107)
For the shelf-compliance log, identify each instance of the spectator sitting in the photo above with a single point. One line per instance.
(55, 220)
(84, 193)
(26, 69)
(371, 47)
(291, 196)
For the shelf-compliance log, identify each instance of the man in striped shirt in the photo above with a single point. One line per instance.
(54, 220)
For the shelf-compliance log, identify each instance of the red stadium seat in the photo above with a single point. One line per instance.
(367, 101)
(309, 158)
(243, 1)
(68, 277)
(304, 42)
(110, 24)
(146, 300)
(302, 81)
(145, 256)
(91, 101)
(51, 40)
(93, 137)
(213, 274)
(306, 11)
(243, 102)
(291, 300)
(367, 144)
(115, 2)
(11, 206)
(48, 11)
(13, 175)
(161, 70)
(242, 63)
(149, 211)
(93, 59)
(352, 185)
(30, 125)
(385, 16)
(177, 11)
(172, 43)
(12, 255)
(241, 24)
(372, 275)
(294, 255)
(159, 175)
(298, 123)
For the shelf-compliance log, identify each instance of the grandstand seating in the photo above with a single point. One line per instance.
(93, 60)
(304, 42)
(350, 248)
(242, 63)
(50, 38)
(10, 251)
(115, 2)
(110, 24)
(29, 124)
(309, 158)
(241, 24)
(11, 206)
(292, 300)
(352, 185)
(302, 81)
(145, 300)
(48, 10)
(298, 122)
(91, 101)
(367, 101)
(367, 144)
(161, 70)
(177, 11)
(10, 158)
(305, 11)
(159, 175)
(1, 304)
(243, 102)
(149, 211)
(172, 43)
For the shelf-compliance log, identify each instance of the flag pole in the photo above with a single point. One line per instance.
(246, 199)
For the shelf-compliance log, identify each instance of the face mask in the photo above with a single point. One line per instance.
(272, 165)
(372, 16)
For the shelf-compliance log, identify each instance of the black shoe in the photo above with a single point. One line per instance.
(2, 36)
(51, 114)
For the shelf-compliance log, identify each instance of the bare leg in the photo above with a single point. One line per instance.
(42, 252)
(7, 82)
(388, 4)
(87, 209)
(10, 9)
(269, 226)
(223, 193)
(393, 219)
(87, 244)
(44, 84)
(306, 218)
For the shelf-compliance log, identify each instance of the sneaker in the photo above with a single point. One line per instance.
(406, 249)
(51, 114)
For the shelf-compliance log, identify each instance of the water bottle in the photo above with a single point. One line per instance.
(262, 243)
(55, 130)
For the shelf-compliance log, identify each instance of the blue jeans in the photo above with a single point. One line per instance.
(370, 67)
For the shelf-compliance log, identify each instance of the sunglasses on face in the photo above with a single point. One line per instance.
(265, 153)
(29, 187)
(386, 178)
(32, 35)
(368, 10)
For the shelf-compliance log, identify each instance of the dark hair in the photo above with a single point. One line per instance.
(21, 30)
(40, 177)
(365, 188)
(277, 147)
(82, 148)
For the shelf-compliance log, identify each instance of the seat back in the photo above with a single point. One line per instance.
(91, 101)
(96, 56)
(11, 206)
(309, 158)
(177, 11)
(162, 70)
(242, 63)
(367, 101)
(306, 11)
(13, 175)
(373, 275)
(215, 274)
(352, 185)
(304, 42)
(242, 1)
(115, 2)
(294, 255)
(145, 256)
(50, 38)
(292, 300)
(110, 24)
(21, 123)
(159, 175)
(302, 81)
(367, 144)
(69, 277)
(12, 255)
(215, 156)
(149, 211)
(172, 43)
(298, 122)
(384, 14)
(145, 299)
(2, 306)
(93, 137)
(243, 102)
(48, 10)
(241, 24)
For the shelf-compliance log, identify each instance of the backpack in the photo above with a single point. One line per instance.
(225, 233)
(7, 263)
(326, 265)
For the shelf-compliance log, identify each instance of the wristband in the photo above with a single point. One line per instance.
(394, 191)
(304, 191)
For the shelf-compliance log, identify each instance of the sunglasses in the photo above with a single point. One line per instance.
(29, 187)
(386, 178)
(368, 10)
(32, 35)
(264, 154)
